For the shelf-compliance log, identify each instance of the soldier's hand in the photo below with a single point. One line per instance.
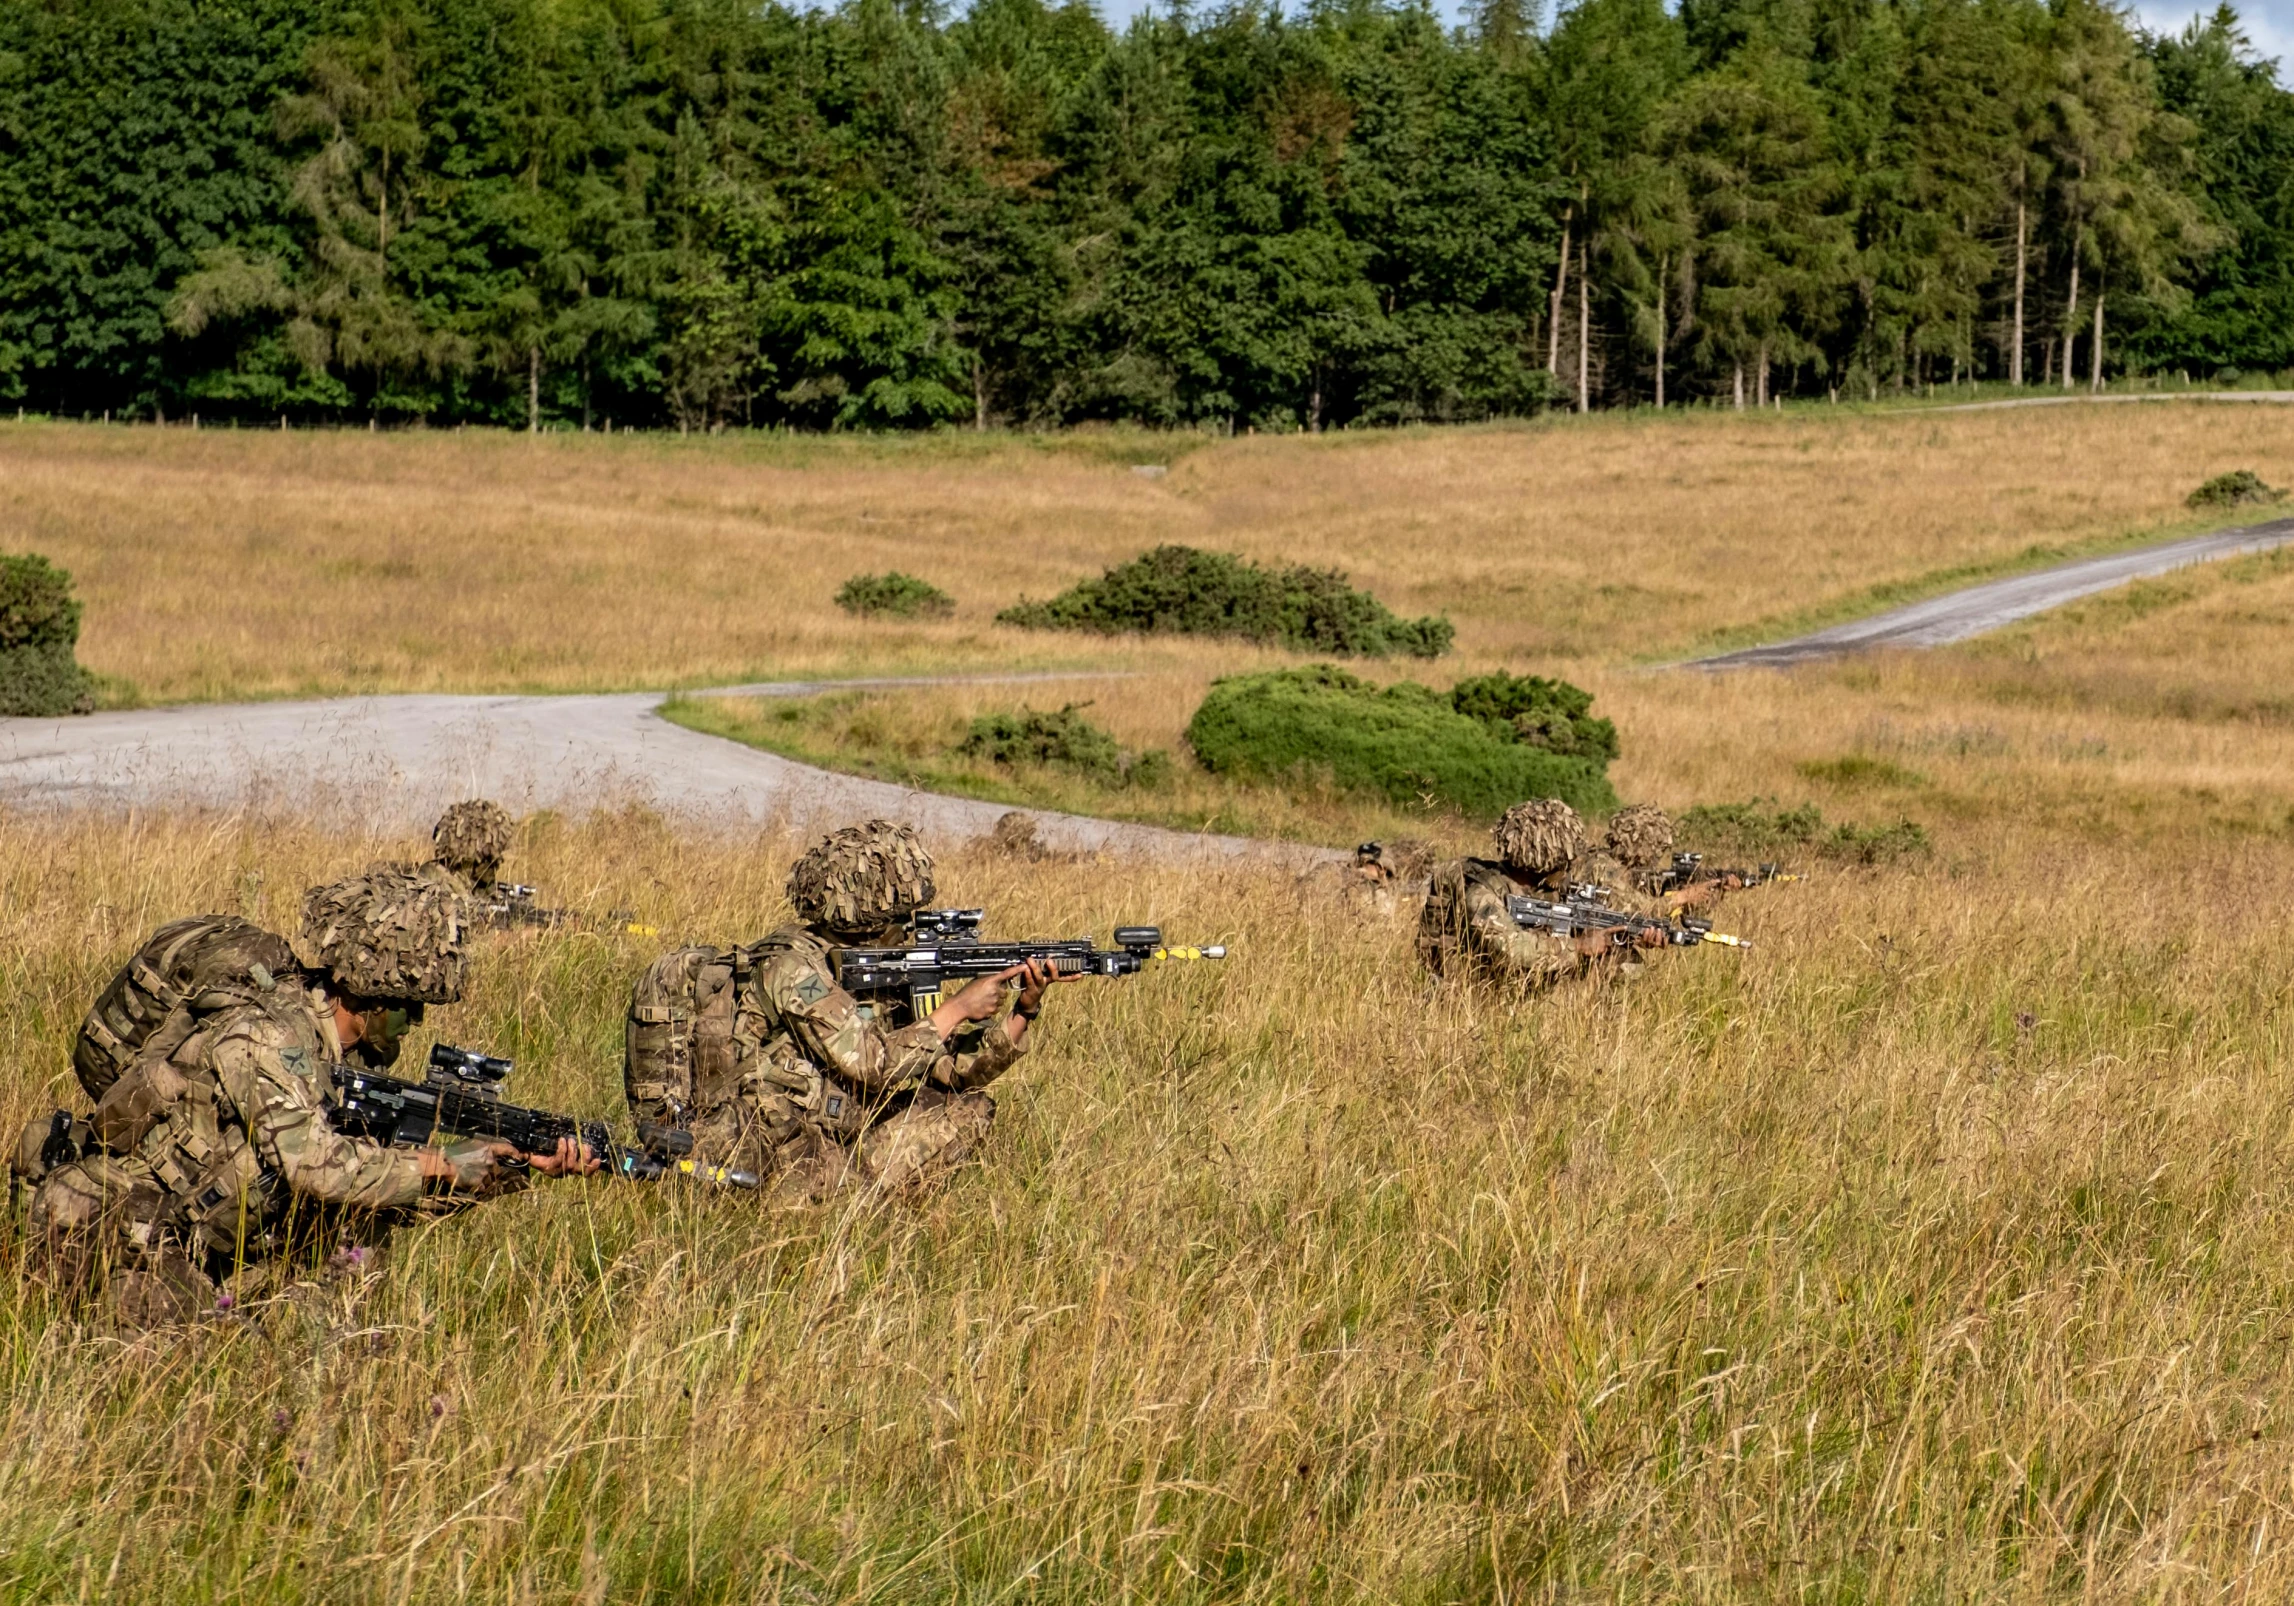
(1695, 897)
(979, 999)
(571, 1159)
(1594, 944)
(1651, 937)
(467, 1167)
(1035, 976)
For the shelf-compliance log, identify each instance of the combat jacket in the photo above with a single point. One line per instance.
(233, 1131)
(824, 1058)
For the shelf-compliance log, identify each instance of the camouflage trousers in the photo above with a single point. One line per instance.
(908, 1152)
(99, 1231)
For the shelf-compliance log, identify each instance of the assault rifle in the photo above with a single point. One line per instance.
(945, 947)
(1687, 869)
(461, 1097)
(1579, 918)
(504, 905)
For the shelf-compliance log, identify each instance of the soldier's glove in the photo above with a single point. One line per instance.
(479, 1172)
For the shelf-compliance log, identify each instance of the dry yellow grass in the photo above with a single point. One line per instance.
(1934, 1248)
(218, 564)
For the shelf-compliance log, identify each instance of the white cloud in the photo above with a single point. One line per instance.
(2270, 26)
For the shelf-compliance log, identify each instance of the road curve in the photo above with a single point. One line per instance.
(1958, 615)
(396, 761)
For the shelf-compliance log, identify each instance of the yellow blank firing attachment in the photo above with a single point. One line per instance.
(1725, 940)
(1190, 953)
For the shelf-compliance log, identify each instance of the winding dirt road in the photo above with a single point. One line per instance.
(396, 761)
(1958, 615)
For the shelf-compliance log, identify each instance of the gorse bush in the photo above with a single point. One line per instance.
(1062, 739)
(1178, 590)
(1759, 829)
(1537, 712)
(1402, 742)
(39, 627)
(2239, 488)
(901, 595)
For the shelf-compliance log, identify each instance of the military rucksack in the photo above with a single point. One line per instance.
(696, 1054)
(184, 969)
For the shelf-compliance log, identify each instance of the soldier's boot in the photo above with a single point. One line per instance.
(919, 1148)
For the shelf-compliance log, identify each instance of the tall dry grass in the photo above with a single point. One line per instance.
(1934, 1248)
(221, 564)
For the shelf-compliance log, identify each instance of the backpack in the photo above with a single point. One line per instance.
(692, 1062)
(184, 969)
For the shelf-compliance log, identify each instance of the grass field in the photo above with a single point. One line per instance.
(1935, 1248)
(218, 564)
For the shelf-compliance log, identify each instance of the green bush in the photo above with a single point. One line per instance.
(39, 626)
(1759, 830)
(1177, 590)
(902, 595)
(1404, 743)
(1551, 714)
(1062, 740)
(2239, 488)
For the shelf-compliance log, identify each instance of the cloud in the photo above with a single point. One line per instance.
(2271, 26)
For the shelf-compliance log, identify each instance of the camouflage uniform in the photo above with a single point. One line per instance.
(1465, 930)
(1640, 843)
(471, 839)
(812, 1088)
(220, 1153)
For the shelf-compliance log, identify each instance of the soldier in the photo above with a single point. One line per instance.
(469, 843)
(1465, 929)
(774, 1067)
(1641, 840)
(218, 1152)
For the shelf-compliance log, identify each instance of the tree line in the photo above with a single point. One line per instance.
(699, 213)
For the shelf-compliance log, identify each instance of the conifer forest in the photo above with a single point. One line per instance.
(692, 214)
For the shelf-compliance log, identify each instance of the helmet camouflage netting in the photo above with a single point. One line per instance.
(390, 933)
(1640, 835)
(471, 838)
(862, 878)
(1538, 836)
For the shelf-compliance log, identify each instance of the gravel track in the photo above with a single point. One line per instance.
(396, 761)
(1958, 615)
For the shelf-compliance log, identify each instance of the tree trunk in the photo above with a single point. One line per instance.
(1560, 283)
(2071, 315)
(1664, 271)
(2095, 349)
(979, 396)
(1740, 386)
(533, 390)
(1760, 378)
(1584, 333)
(2022, 245)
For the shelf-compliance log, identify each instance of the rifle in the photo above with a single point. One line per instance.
(1687, 869)
(462, 1097)
(504, 905)
(946, 947)
(1578, 918)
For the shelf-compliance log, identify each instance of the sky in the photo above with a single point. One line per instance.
(2269, 23)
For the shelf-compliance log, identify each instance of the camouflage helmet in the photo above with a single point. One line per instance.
(390, 933)
(1640, 835)
(862, 878)
(471, 838)
(1539, 836)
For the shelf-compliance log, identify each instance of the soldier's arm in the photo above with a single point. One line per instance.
(1535, 959)
(829, 1027)
(997, 1053)
(278, 1087)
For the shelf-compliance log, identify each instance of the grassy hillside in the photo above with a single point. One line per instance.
(220, 564)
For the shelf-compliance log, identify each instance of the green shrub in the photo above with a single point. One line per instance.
(902, 595)
(1062, 740)
(1860, 769)
(2239, 488)
(1758, 830)
(1177, 590)
(39, 626)
(1404, 743)
(1551, 714)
